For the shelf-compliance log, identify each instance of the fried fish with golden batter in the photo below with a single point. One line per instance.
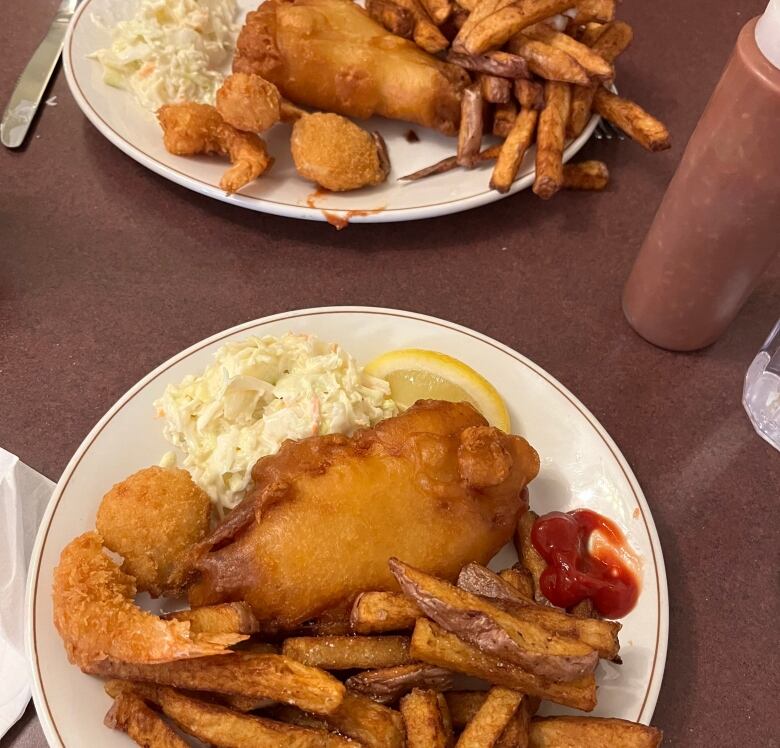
(331, 55)
(436, 486)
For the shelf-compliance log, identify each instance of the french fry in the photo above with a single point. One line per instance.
(503, 64)
(550, 139)
(387, 685)
(590, 32)
(393, 17)
(529, 94)
(494, 89)
(224, 728)
(547, 61)
(255, 647)
(244, 703)
(440, 167)
(513, 150)
(468, 5)
(348, 652)
(613, 39)
(454, 23)
(446, 718)
(504, 117)
(259, 676)
(471, 124)
(425, 33)
(485, 625)
(227, 618)
(492, 718)
(586, 175)
(593, 63)
(517, 732)
(432, 644)
(592, 732)
(336, 622)
(520, 578)
(479, 580)
(640, 126)
(371, 724)
(485, 30)
(528, 555)
(380, 612)
(423, 720)
(584, 608)
(130, 714)
(438, 10)
(463, 705)
(594, 10)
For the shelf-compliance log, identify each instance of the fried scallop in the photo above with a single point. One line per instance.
(337, 154)
(249, 102)
(96, 616)
(151, 519)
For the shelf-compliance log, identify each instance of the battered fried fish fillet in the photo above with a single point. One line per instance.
(151, 519)
(435, 486)
(331, 55)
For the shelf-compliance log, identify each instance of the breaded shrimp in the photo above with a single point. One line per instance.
(151, 519)
(249, 102)
(97, 619)
(190, 129)
(334, 152)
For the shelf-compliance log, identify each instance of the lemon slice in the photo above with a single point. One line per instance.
(415, 374)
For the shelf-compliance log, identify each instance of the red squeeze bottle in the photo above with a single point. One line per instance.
(718, 226)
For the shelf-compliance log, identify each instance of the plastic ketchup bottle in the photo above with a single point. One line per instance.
(718, 226)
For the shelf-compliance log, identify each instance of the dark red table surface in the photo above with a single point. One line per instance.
(107, 270)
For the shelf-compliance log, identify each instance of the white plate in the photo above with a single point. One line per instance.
(581, 467)
(282, 192)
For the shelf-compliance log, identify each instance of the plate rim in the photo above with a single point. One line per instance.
(662, 632)
(285, 209)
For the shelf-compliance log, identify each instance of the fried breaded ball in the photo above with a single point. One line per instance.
(249, 102)
(151, 519)
(337, 154)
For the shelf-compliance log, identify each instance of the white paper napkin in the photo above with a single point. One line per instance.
(23, 498)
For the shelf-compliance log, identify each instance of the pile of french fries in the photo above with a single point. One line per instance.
(540, 68)
(435, 665)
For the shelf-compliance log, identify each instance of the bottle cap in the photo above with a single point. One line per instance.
(768, 33)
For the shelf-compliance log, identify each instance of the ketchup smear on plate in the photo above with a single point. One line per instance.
(603, 569)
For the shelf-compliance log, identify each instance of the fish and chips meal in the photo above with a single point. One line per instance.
(331, 542)
(515, 73)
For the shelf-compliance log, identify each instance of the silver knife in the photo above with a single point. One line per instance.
(28, 93)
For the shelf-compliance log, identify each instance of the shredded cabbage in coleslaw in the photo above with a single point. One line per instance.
(170, 51)
(259, 392)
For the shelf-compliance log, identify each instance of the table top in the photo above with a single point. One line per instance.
(106, 270)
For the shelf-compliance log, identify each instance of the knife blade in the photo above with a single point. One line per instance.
(26, 97)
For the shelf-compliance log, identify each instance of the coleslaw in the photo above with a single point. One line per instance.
(257, 393)
(170, 51)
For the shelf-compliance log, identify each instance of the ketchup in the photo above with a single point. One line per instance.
(577, 569)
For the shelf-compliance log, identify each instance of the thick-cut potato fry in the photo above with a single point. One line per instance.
(387, 685)
(592, 732)
(503, 64)
(520, 578)
(593, 63)
(425, 33)
(380, 612)
(547, 61)
(393, 17)
(440, 167)
(584, 608)
(244, 703)
(256, 647)
(504, 116)
(551, 138)
(517, 732)
(257, 675)
(348, 652)
(529, 556)
(485, 625)
(586, 175)
(495, 90)
(130, 714)
(471, 125)
(529, 94)
(611, 42)
(227, 618)
(454, 23)
(224, 728)
(334, 622)
(463, 705)
(591, 31)
(431, 643)
(438, 10)
(492, 718)
(479, 580)
(481, 33)
(513, 150)
(640, 126)
(423, 720)
(594, 10)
